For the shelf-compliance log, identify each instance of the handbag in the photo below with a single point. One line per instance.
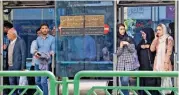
(166, 82)
(23, 81)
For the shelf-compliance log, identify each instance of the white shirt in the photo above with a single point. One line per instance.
(10, 52)
(12, 42)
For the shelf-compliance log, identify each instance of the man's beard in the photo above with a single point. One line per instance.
(44, 34)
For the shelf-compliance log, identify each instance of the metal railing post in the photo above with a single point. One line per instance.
(77, 84)
(64, 86)
(115, 44)
(176, 55)
(124, 73)
(1, 41)
(32, 73)
(53, 87)
(53, 63)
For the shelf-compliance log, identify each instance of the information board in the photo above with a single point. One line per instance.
(72, 21)
(80, 25)
(94, 21)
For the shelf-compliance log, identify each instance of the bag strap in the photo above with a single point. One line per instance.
(166, 44)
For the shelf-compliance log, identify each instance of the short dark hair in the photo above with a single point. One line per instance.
(44, 24)
(38, 29)
(8, 24)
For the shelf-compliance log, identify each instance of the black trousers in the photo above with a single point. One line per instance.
(157, 82)
(150, 82)
(31, 81)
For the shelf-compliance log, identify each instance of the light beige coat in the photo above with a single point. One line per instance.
(166, 62)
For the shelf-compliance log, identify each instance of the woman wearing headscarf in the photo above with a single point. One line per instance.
(163, 45)
(146, 57)
(125, 51)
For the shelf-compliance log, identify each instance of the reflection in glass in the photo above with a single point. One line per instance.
(85, 47)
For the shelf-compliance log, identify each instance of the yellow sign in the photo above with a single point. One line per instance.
(78, 21)
(94, 21)
(72, 21)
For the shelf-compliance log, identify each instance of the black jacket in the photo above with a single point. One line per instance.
(145, 56)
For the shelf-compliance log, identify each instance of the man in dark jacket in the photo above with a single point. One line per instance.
(16, 56)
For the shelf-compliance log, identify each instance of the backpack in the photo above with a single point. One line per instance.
(172, 55)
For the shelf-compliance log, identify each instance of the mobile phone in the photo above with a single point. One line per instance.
(157, 35)
(38, 54)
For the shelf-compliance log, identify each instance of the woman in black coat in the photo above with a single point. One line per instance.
(146, 58)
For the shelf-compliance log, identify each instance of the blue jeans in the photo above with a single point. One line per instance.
(125, 82)
(13, 81)
(41, 81)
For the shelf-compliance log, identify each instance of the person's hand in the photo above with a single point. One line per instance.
(121, 44)
(143, 46)
(166, 66)
(36, 55)
(147, 46)
(52, 53)
(4, 46)
(143, 35)
(125, 43)
(156, 35)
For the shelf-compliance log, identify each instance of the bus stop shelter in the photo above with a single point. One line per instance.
(118, 16)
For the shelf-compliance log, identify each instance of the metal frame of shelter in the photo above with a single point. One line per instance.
(118, 15)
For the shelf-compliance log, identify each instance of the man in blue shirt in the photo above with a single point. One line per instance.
(45, 45)
(33, 48)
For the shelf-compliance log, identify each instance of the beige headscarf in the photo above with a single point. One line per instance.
(162, 49)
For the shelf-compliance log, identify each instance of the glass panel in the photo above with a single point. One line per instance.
(137, 18)
(27, 21)
(82, 43)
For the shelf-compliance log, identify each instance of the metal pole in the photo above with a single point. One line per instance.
(121, 14)
(56, 41)
(154, 17)
(65, 86)
(1, 41)
(115, 23)
(176, 56)
(115, 41)
(176, 31)
(53, 63)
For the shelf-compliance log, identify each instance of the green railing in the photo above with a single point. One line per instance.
(23, 88)
(29, 73)
(136, 74)
(65, 82)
